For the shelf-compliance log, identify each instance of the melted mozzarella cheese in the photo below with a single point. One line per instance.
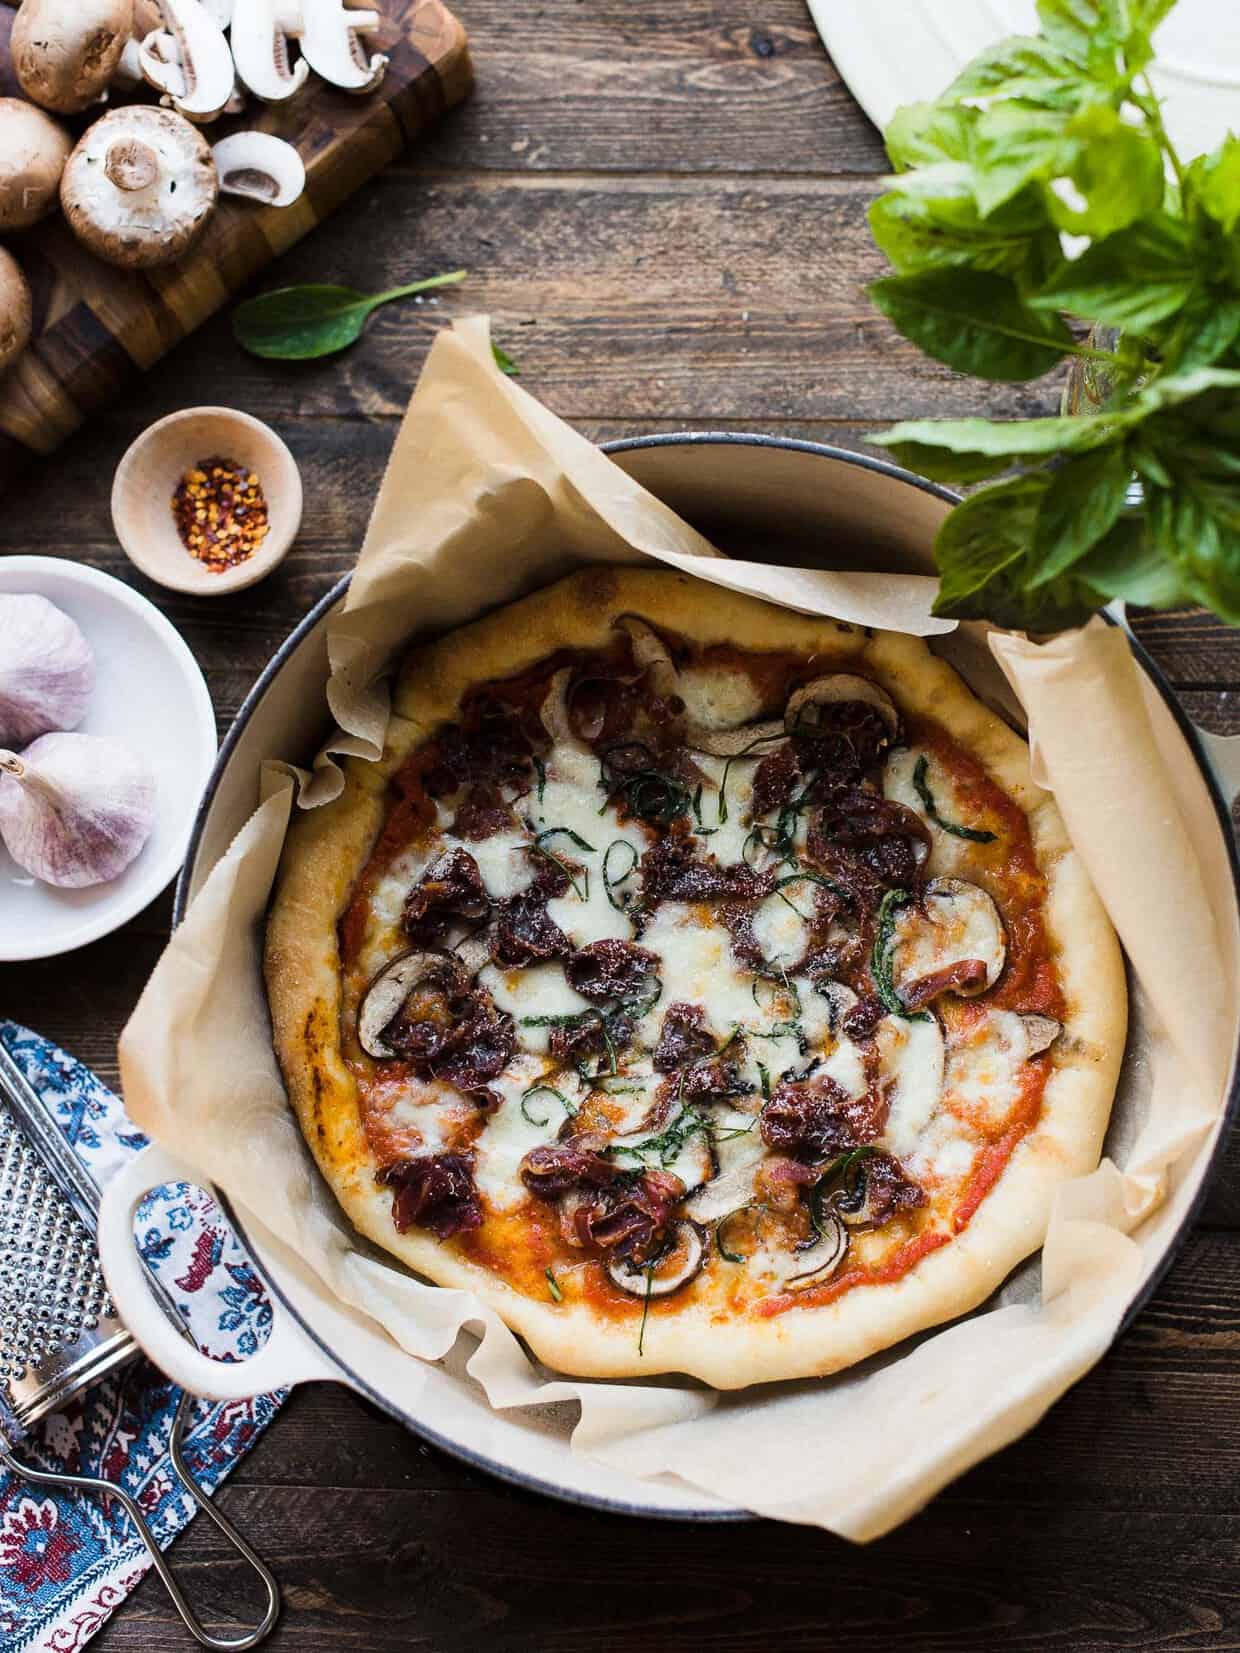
(944, 1152)
(573, 802)
(985, 1063)
(537, 991)
(504, 860)
(696, 966)
(437, 1112)
(728, 837)
(780, 928)
(949, 855)
(510, 1132)
(911, 1060)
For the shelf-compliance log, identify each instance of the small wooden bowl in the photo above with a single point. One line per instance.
(147, 477)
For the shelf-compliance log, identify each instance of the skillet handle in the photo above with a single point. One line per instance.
(287, 1357)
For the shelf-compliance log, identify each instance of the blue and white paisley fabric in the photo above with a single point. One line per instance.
(67, 1562)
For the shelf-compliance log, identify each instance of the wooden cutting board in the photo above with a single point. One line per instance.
(96, 327)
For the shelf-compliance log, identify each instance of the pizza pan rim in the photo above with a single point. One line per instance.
(687, 440)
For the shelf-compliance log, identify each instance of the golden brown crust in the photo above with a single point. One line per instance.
(327, 847)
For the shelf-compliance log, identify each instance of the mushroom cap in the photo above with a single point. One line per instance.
(64, 56)
(16, 311)
(158, 221)
(33, 152)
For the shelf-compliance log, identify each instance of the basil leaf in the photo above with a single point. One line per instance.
(1127, 564)
(1215, 181)
(1017, 143)
(1091, 33)
(919, 134)
(1132, 279)
(298, 323)
(1116, 170)
(1205, 328)
(983, 551)
(921, 231)
(969, 450)
(983, 538)
(1196, 526)
(1021, 66)
(1081, 505)
(974, 321)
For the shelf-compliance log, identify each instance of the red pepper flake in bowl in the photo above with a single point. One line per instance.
(221, 513)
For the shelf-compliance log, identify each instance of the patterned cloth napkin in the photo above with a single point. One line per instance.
(66, 1561)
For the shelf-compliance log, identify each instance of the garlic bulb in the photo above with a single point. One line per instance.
(47, 670)
(75, 809)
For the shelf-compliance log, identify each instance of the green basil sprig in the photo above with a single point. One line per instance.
(1042, 138)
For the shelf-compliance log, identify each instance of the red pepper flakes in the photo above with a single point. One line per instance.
(221, 513)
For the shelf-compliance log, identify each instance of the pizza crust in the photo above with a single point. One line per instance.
(326, 849)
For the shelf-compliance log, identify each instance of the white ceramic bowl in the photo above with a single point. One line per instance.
(150, 694)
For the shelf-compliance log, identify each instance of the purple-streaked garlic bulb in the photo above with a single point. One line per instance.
(47, 670)
(75, 809)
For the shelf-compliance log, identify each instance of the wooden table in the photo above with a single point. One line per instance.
(662, 204)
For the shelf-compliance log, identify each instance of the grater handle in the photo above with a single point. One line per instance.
(287, 1357)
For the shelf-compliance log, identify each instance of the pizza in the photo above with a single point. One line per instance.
(705, 986)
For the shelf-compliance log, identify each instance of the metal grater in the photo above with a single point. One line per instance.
(59, 1329)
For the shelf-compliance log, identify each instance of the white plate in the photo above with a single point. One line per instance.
(900, 51)
(150, 694)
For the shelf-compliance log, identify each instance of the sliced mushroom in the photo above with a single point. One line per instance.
(839, 688)
(754, 739)
(473, 952)
(650, 656)
(65, 55)
(260, 166)
(724, 1194)
(816, 1262)
(675, 1268)
(199, 83)
(147, 20)
(739, 1151)
(33, 152)
(1040, 1034)
(16, 311)
(260, 49)
(331, 43)
(388, 991)
(956, 925)
(554, 710)
(139, 187)
(159, 63)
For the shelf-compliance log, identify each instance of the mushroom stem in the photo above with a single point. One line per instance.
(131, 164)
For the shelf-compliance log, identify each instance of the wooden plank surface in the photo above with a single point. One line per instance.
(662, 203)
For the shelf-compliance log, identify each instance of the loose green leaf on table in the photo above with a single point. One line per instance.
(299, 323)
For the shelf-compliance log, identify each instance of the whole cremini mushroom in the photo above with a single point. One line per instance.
(16, 310)
(33, 152)
(65, 55)
(139, 187)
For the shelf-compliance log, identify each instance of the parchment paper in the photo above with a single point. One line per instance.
(488, 495)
